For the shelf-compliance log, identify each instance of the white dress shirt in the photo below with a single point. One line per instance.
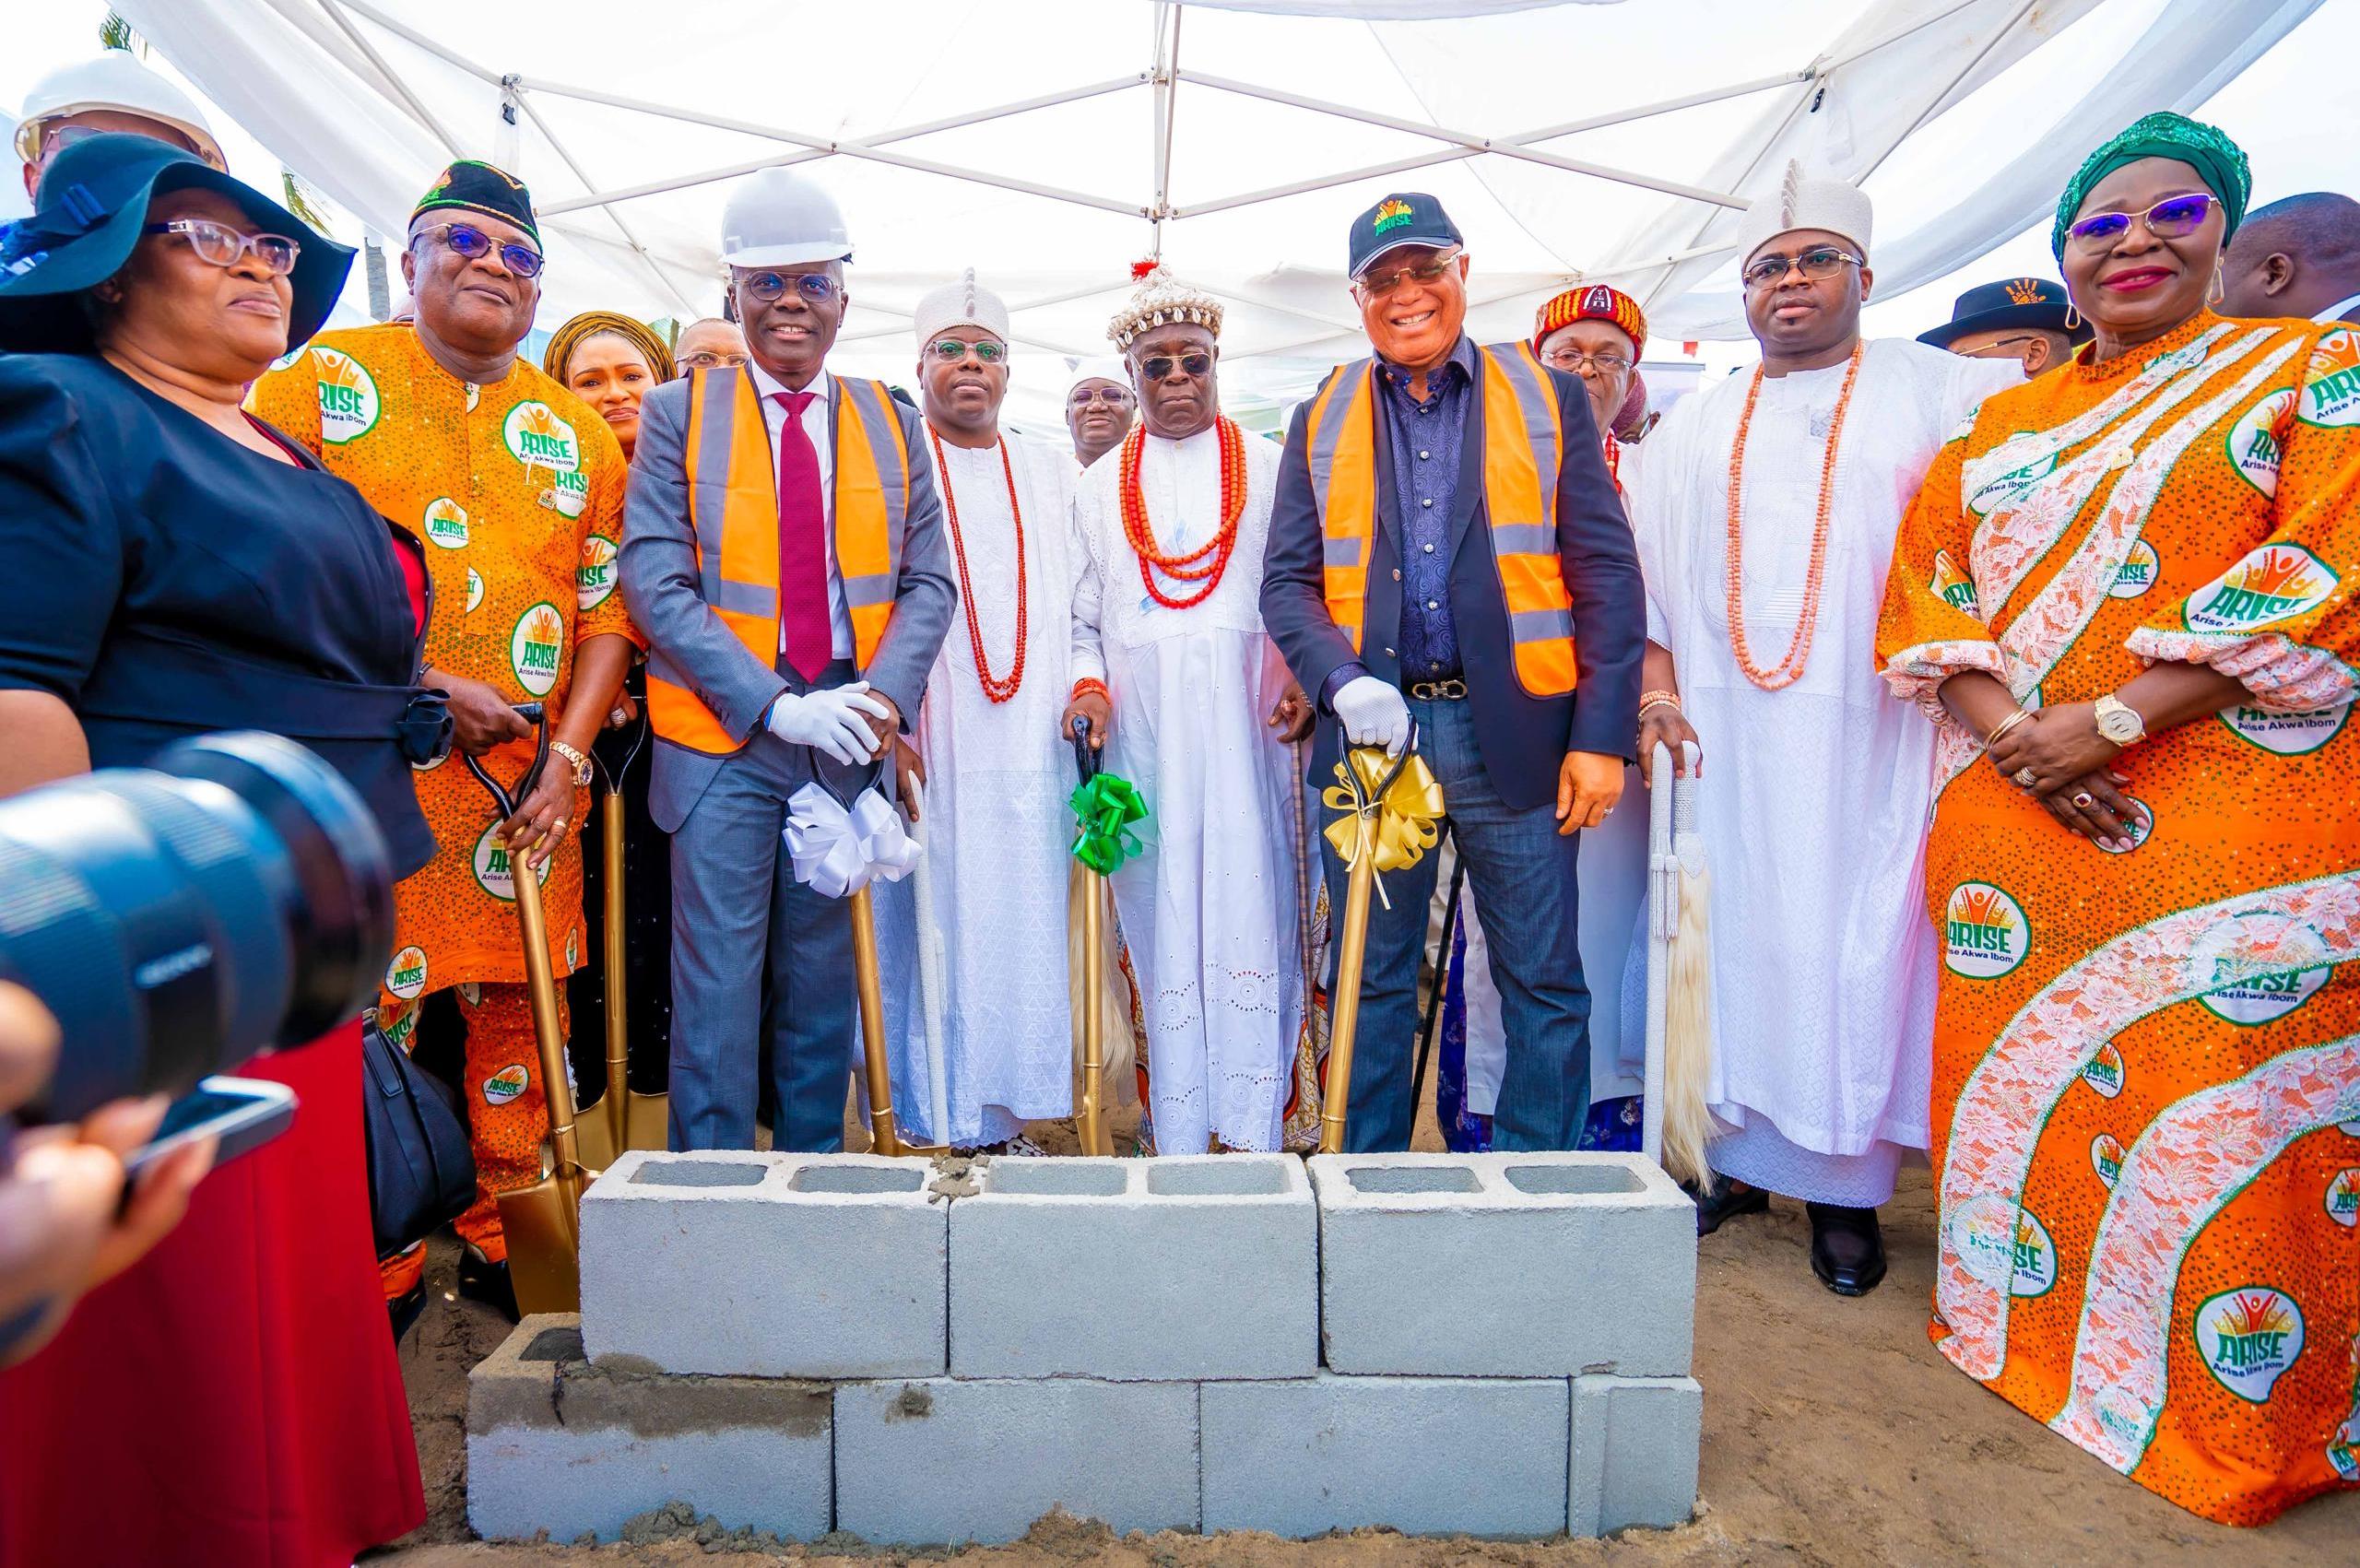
(821, 428)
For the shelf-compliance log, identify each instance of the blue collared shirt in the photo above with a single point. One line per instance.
(1427, 439)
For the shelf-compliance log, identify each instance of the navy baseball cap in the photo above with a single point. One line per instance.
(1405, 218)
(2014, 301)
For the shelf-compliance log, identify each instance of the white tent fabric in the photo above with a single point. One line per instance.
(1050, 144)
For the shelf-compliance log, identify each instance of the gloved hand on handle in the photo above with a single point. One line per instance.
(829, 720)
(1373, 714)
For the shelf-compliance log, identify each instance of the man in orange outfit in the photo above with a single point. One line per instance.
(510, 482)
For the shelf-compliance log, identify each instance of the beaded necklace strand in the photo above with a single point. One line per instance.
(1205, 565)
(1788, 669)
(995, 686)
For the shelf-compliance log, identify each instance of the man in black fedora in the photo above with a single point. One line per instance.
(2029, 319)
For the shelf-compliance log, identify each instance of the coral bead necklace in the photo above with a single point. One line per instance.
(1205, 565)
(1788, 669)
(998, 689)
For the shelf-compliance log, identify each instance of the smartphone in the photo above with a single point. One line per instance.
(244, 1112)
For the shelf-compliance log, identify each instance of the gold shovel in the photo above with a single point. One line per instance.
(618, 1119)
(542, 1222)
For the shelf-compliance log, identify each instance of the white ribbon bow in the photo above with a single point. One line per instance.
(838, 853)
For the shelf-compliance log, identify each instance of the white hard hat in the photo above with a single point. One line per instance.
(113, 81)
(777, 218)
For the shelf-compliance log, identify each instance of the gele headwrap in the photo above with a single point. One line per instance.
(2218, 162)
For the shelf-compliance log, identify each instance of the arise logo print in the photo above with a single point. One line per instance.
(349, 402)
(2105, 1158)
(405, 976)
(446, 523)
(2271, 583)
(2003, 1245)
(537, 438)
(1985, 935)
(2248, 1337)
(2137, 573)
(595, 578)
(2256, 440)
(2105, 1072)
(2258, 966)
(1390, 215)
(495, 869)
(536, 648)
(1951, 585)
(2343, 1197)
(2331, 382)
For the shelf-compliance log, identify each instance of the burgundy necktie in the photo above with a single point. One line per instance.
(804, 626)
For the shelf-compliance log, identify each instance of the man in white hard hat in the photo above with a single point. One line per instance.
(113, 92)
(784, 551)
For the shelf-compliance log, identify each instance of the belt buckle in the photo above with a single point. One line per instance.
(1451, 690)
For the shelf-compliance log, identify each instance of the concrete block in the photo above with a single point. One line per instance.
(1503, 1265)
(556, 1443)
(1426, 1455)
(943, 1461)
(766, 1265)
(1198, 1266)
(1634, 1450)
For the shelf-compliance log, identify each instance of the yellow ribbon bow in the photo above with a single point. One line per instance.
(1394, 819)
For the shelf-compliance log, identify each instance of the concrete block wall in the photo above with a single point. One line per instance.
(1496, 1345)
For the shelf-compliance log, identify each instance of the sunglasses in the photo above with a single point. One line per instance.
(950, 350)
(2174, 217)
(1605, 364)
(223, 245)
(1816, 264)
(473, 243)
(1198, 366)
(1083, 396)
(816, 287)
(1382, 284)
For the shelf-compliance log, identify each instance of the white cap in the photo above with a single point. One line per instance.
(963, 303)
(777, 218)
(114, 81)
(1103, 367)
(1835, 206)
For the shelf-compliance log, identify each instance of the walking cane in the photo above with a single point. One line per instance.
(1676, 1123)
(1442, 978)
(542, 1222)
(1391, 807)
(618, 1120)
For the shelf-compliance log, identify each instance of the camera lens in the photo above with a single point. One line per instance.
(177, 919)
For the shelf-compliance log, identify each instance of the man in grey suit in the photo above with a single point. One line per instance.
(783, 554)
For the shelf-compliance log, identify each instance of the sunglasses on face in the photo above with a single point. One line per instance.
(950, 350)
(1817, 264)
(1378, 285)
(706, 359)
(223, 245)
(1196, 366)
(467, 240)
(1605, 364)
(816, 287)
(2174, 217)
(1115, 395)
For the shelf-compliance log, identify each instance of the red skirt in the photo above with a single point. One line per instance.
(233, 1398)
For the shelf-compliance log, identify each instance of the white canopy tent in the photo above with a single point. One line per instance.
(1051, 143)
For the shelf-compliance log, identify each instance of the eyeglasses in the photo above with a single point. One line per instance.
(1607, 364)
(950, 350)
(1817, 264)
(1382, 284)
(223, 245)
(2174, 217)
(475, 244)
(1084, 396)
(1156, 368)
(706, 359)
(1999, 347)
(816, 287)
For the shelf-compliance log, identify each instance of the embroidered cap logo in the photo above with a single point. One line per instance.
(2024, 291)
(1391, 214)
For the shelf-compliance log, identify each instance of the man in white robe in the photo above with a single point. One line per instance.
(972, 946)
(1192, 705)
(1816, 786)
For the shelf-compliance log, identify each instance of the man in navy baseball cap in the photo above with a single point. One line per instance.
(1406, 218)
(2018, 318)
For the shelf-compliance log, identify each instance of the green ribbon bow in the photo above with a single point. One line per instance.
(1107, 805)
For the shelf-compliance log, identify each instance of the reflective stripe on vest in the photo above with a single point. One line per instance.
(732, 499)
(1523, 449)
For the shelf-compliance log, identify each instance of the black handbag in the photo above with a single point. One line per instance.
(421, 1170)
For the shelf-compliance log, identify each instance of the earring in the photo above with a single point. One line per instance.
(2072, 314)
(2219, 289)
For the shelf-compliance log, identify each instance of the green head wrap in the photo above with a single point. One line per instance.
(2218, 162)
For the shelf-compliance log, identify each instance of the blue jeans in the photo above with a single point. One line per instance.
(1522, 874)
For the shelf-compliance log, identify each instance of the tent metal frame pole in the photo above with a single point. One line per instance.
(664, 279)
(1886, 40)
(1167, 74)
(1016, 307)
(426, 117)
(2006, 31)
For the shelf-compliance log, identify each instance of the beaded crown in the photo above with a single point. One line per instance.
(1160, 301)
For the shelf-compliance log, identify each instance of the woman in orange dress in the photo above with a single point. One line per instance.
(2128, 584)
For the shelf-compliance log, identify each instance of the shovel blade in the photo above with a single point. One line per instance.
(540, 1222)
(645, 1118)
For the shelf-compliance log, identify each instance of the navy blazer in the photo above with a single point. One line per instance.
(1523, 739)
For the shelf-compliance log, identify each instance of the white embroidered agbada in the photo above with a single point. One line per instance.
(1814, 799)
(997, 829)
(1208, 907)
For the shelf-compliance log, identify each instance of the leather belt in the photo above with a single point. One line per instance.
(1451, 690)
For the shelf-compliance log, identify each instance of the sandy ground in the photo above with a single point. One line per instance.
(1834, 1434)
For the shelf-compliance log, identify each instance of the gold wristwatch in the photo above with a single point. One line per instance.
(581, 763)
(2119, 722)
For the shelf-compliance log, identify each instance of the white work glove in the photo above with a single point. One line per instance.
(1373, 714)
(829, 720)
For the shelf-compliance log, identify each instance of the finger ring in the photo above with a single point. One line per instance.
(559, 826)
(617, 716)
(2083, 800)
(2025, 777)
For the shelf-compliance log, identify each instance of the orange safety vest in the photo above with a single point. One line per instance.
(1523, 444)
(733, 503)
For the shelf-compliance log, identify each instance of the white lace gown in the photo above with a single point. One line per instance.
(1815, 798)
(1209, 908)
(997, 829)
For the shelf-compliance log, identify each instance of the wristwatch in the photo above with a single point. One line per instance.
(2119, 722)
(581, 763)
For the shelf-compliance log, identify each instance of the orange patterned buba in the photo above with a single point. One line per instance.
(2147, 1064)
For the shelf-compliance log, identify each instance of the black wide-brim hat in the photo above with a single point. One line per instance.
(93, 203)
(2033, 302)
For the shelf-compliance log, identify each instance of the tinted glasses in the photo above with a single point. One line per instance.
(1196, 366)
(1571, 359)
(950, 350)
(816, 287)
(475, 244)
(706, 359)
(223, 245)
(1817, 264)
(1111, 395)
(2174, 217)
(1379, 284)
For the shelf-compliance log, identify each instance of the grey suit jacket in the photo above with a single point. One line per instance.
(666, 592)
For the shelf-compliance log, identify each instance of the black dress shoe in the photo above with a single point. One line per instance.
(403, 1310)
(481, 1279)
(1727, 1201)
(1846, 1248)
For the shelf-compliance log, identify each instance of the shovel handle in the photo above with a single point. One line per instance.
(538, 716)
(1085, 755)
